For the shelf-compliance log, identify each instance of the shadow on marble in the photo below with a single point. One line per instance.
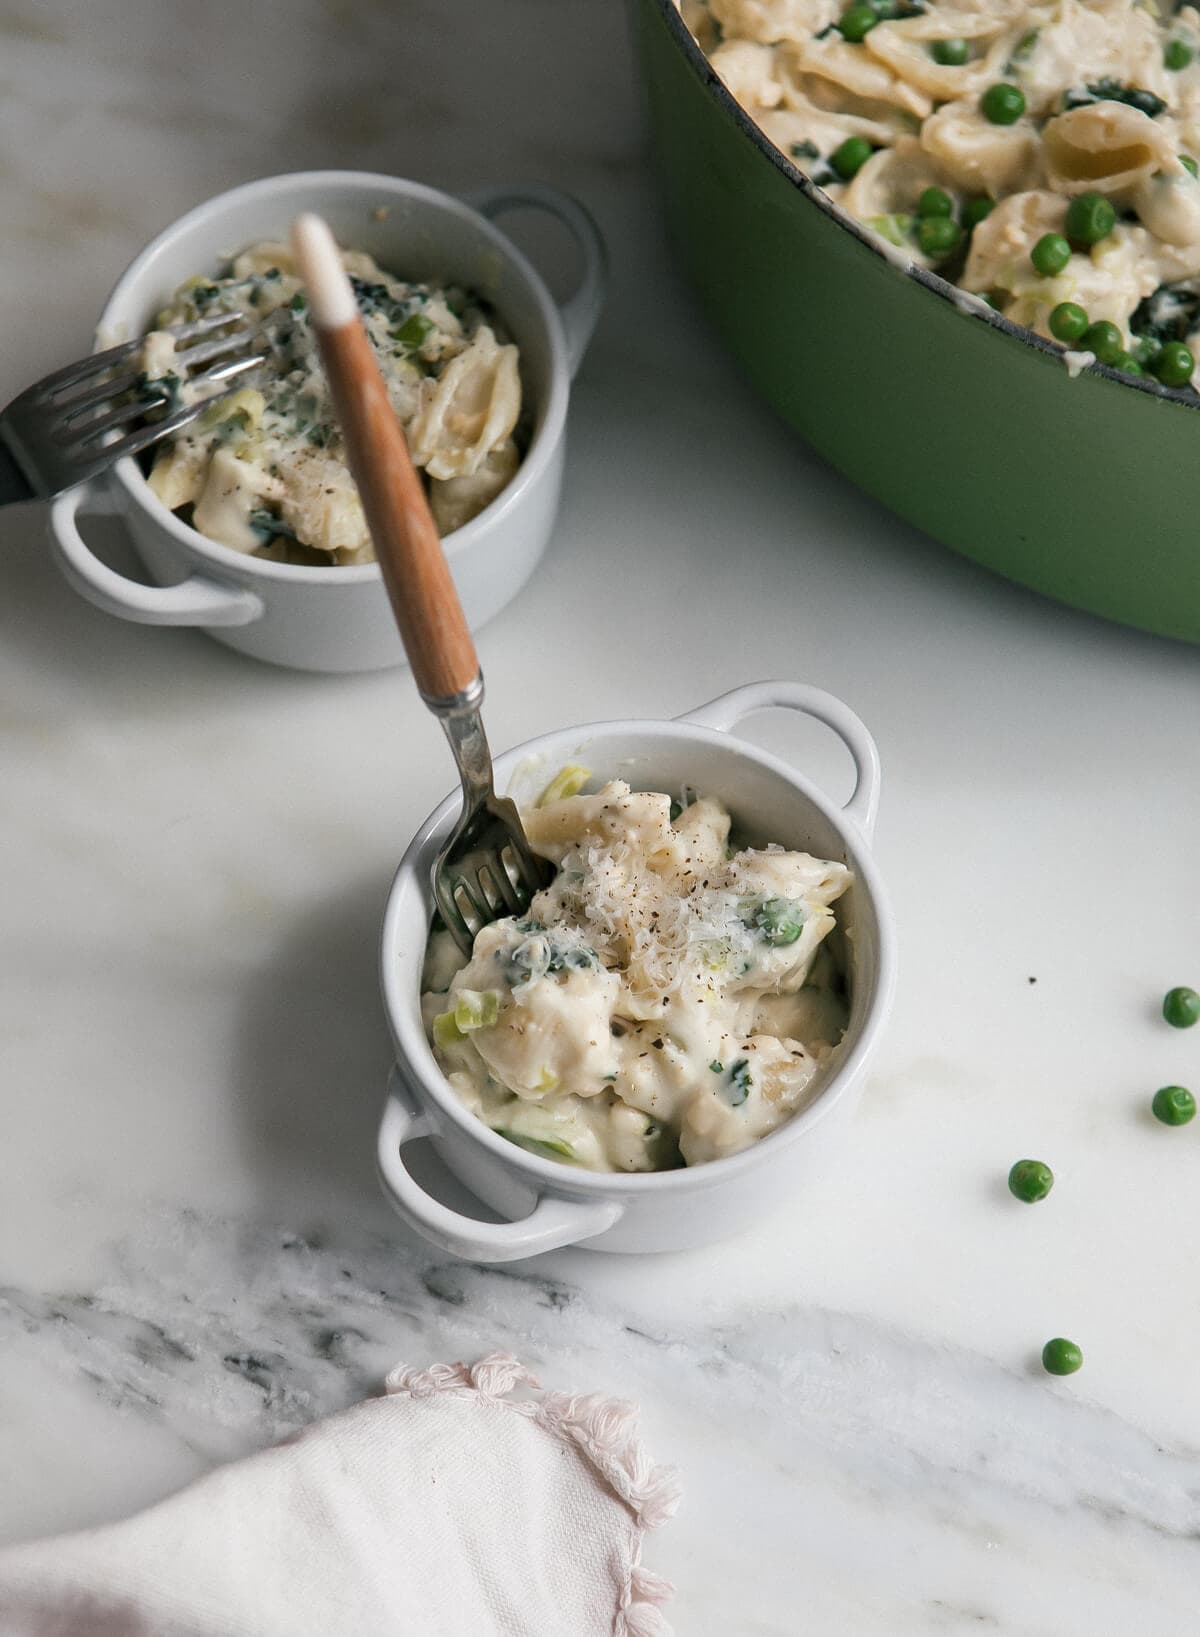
(313, 1056)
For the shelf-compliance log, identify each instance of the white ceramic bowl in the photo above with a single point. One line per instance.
(338, 619)
(547, 1204)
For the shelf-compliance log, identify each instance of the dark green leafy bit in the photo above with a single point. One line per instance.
(804, 150)
(1025, 46)
(1181, 1007)
(1030, 1180)
(1002, 104)
(1090, 218)
(299, 302)
(1167, 315)
(168, 387)
(1110, 90)
(675, 810)
(850, 156)
(740, 1081)
(1189, 164)
(1061, 1357)
(546, 1148)
(203, 295)
(717, 1067)
(1068, 322)
(1173, 1105)
(268, 526)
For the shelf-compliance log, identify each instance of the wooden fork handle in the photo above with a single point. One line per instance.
(424, 599)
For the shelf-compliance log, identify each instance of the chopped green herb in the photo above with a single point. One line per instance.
(741, 1081)
(547, 1148)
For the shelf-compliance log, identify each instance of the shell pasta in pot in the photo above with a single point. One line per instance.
(1041, 156)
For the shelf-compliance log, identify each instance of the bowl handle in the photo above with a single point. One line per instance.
(729, 709)
(551, 1223)
(580, 312)
(194, 601)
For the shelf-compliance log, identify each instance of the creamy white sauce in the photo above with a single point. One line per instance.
(665, 1000)
(264, 470)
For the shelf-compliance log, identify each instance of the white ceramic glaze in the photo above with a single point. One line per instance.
(338, 619)
(547, 1204)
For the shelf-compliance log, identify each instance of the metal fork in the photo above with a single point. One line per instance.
(53, 435)
(488, 868)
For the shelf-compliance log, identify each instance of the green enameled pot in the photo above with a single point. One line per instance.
(1086, 489)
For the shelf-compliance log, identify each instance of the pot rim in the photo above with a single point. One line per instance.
(419, 1067)
(548, 425)
(970, 305)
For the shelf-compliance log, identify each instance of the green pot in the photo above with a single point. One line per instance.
(959, 421)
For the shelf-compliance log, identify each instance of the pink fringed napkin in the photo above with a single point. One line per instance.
(450, 1506)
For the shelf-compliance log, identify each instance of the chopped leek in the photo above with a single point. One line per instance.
(568, 781)
(474, 1009)
(547, 1148)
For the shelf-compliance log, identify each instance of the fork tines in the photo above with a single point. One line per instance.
(484, 885)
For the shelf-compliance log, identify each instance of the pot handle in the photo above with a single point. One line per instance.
(551, 1223)
(580, 312)
(729, 709)
(195, 601)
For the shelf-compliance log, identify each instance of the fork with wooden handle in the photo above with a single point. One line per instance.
(487, 869)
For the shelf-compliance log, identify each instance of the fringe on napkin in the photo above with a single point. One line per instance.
(604, 1431)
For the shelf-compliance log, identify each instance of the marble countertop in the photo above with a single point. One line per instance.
(193, 1252)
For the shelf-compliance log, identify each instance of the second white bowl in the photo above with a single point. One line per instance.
(338, 619)
(548, 1204)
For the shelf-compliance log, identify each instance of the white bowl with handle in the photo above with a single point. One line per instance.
(546, 1204)
(337, 618)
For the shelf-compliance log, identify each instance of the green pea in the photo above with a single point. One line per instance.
(1177, 54)
(950, 53)
(780, 921)
(1030, 1180)
(1173, 1105)
(974, 211)
(857, 23)
(1050, 255)
(1090, 218)
(1128, 364)
(1173, 367)
(1104, 339)
(1181, 1007)
(1146, 349)
(848, 159)
(935, 202)
(1003, 104)
(1061, 1357)
(1189, 164)
(1068, 321)
(938, 236)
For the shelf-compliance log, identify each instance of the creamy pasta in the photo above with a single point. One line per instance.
(263, 471)
(1040, 155)
(667, 1000)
